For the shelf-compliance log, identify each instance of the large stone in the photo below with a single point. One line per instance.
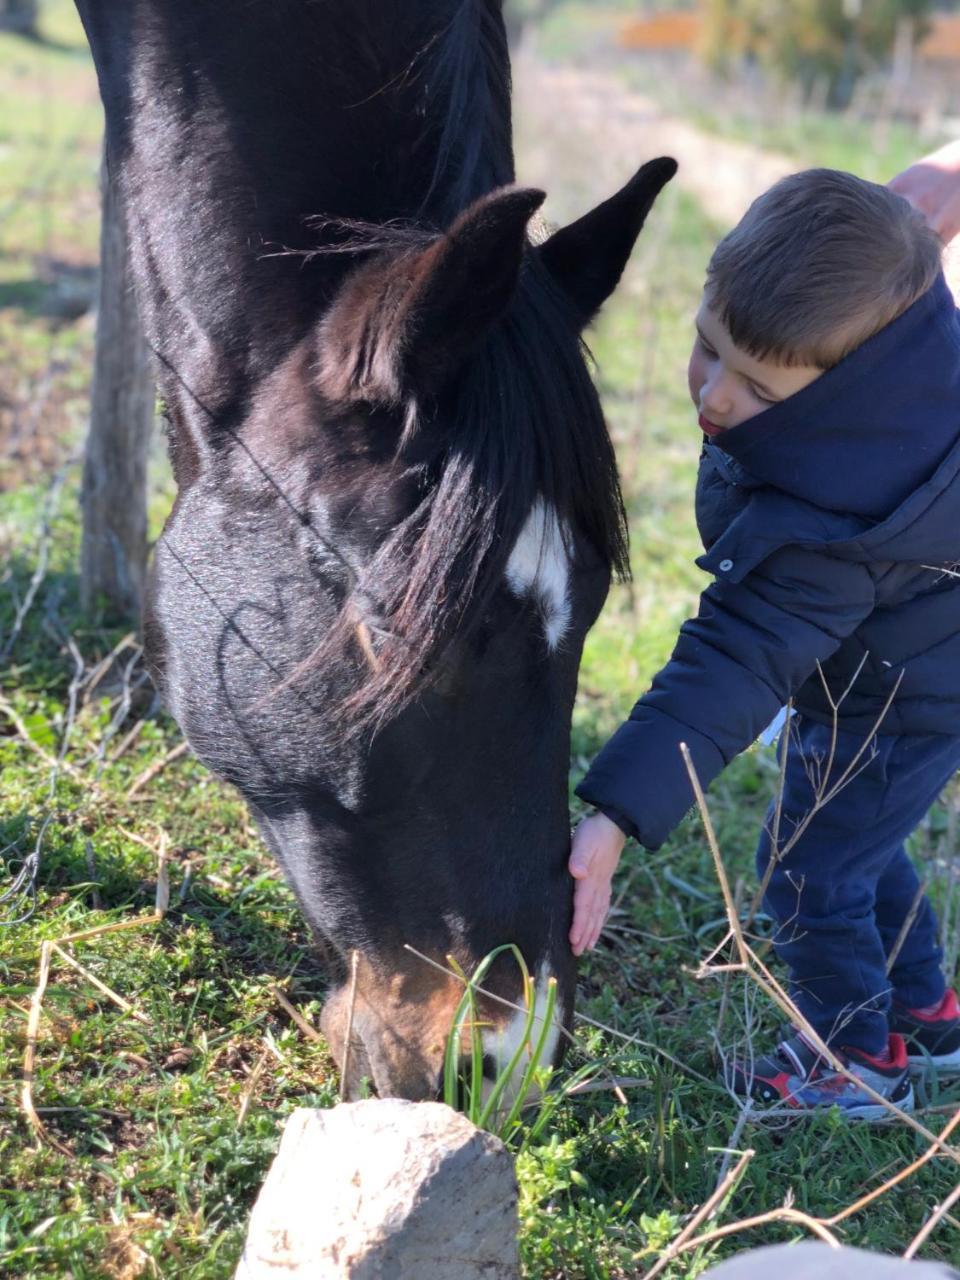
(814, 1261)
(385, 1190)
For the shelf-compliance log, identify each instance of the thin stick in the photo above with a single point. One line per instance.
(703, 1214)
(162, 899)
(118, 927)
(906, 926)
(354, 960)
(118, 1000)
(30, 1052)
(899, 1177)
(92, 869)
(127, 741)
(252, 1083)
(733, 918)
(747, 1224)
(156, 768)
(937, 1216)
(295, 1015)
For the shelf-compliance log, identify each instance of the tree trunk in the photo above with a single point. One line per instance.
(114, 553)
(19, 15)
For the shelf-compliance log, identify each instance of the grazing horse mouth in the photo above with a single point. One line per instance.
(395, 1033)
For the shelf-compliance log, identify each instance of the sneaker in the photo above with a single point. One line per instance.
(795, 1075)
(933, 1038)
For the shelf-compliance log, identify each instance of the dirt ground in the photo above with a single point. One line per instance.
(604, 131)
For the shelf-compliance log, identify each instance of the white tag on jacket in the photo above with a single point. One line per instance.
(772, 731)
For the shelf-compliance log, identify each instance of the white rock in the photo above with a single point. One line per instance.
(385, 1190)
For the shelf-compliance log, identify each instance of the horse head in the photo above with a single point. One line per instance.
(398, 509)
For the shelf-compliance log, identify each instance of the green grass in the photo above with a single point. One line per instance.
(168, 1125)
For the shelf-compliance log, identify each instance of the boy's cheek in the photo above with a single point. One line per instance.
(696, 376)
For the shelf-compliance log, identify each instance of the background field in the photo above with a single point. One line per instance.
(167, 1120)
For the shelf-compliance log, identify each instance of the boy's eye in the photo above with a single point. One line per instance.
(705, 345)
(760, 396)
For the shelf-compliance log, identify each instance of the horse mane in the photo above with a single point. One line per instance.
(521, 420)
(467, 70)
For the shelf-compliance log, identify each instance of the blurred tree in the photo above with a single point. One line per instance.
(519, 14)
(113, 556)
(19, 15)
(829, 42)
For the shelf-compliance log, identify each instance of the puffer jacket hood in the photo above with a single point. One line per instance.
(832, 527)
(866, 434)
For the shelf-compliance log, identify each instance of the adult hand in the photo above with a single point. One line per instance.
(932, 185)
(597, 845)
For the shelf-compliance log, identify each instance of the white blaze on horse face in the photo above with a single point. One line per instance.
(539, 564)
(501, 1043)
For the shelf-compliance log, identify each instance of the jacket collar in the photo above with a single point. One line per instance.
(871, 430)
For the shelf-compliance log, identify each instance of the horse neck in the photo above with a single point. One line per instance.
(227, 135)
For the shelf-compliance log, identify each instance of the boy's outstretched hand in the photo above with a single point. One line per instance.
(597, 845)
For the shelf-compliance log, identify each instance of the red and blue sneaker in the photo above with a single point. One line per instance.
(796, 1076)
(932, 1035)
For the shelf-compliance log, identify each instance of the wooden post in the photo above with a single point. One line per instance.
(114, 552)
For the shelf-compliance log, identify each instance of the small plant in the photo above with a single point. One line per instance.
(525, 1079)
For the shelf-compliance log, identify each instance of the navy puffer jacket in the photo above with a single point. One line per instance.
(832, 527)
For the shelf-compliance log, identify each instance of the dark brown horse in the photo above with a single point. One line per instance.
(398, 508)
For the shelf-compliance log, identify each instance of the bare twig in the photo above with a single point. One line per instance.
(30, 1052)
(92, 872)
(36, 1004)
(815, 1225)
(352, 1001)
(118, 1000)
(703, 1214)
(906, 926)
(294, 1014)
(251, 1088)
(941, 1211)
(156, 768)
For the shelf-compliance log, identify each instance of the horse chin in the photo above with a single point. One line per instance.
(398, 1027)
(392, 1032)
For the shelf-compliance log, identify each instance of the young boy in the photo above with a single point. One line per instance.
(826, 375)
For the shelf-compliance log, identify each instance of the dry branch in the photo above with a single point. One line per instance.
(156, 768)
(294, 1014)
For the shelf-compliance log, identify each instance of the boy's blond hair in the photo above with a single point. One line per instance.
(818, 264)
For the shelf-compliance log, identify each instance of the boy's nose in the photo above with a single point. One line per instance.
(716, 400)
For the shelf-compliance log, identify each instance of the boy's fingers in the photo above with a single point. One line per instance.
(579, 863)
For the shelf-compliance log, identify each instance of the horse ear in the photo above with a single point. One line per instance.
(406, 324)
(587, 257)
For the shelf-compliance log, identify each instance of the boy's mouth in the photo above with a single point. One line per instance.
(707, 427)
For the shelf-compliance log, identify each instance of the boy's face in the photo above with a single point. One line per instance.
(727, 385)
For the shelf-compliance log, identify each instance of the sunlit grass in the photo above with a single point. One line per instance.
(162, 1160)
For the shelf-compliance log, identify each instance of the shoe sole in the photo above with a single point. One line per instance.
(944, 1064)
(874, 1113)
(868, 1112)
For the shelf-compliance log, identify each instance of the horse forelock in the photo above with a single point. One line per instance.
(520, 430)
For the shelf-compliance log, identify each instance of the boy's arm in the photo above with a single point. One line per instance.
(751, 646)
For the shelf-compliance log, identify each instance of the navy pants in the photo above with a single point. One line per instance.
(840, 896)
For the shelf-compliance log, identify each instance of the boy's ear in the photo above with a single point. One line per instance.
(587, 257)
(405, 323)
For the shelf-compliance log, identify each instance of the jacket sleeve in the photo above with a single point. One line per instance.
(751, 646)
